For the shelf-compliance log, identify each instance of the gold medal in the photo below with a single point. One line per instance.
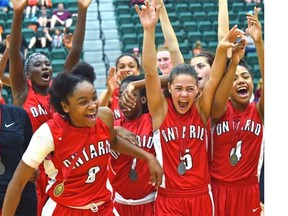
(58, 190)
(233, 159)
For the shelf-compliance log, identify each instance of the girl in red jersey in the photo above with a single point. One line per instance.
(180, 123)
(126, 64)
(30, 83)
(133, 196)
(237, 134)
(80, 135)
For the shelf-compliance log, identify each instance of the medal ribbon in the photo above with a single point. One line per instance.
(235, 133)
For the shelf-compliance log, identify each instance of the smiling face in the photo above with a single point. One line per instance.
(82, 105)
(164, 62)
(183, 90)
(39, 71)
(127, 63)
(203, 70)
(242, 87)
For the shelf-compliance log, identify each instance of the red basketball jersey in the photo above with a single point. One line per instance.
(236, 150)
(182, 136)
(122, 164)
(38, 108)
(87, 182)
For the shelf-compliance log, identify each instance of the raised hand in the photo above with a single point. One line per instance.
(232, 39)
(238, 50)
(67, 40)
(149, 14)
(19, 5)
(83, 4)
(111, 81)
(254, 26)
(128, 98)
(156, 172)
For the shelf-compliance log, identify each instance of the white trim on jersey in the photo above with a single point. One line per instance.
(158, 150)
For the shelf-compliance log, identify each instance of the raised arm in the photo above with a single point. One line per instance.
(225, 87)
(128, 98)
(78, 38)
(170, 36)
(3, 62)
(19, 83)
(149, 15)
(255, 30)
(106, 95)
(217, 70)
(223, 22)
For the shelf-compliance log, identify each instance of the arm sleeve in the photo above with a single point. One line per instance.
(39, 147)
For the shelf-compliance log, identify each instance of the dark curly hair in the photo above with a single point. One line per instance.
(64, 83)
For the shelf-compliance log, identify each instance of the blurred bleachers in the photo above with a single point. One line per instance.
(192, 20)
(57, 56)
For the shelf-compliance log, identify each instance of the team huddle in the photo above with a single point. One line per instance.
(188, 141)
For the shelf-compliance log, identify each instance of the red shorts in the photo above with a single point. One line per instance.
(54, 209)
(133, 210)
(236, 199)
(196, 202)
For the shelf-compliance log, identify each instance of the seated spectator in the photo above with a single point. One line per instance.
(258, 90)
(46, 3)
(250, 46)
(137, 54)
(4, 5)
(44, 17)
(133, 2)
(42, 39)
(253, 1)
(197, 48)
(31, 8)
(61, 16)
(57, 38)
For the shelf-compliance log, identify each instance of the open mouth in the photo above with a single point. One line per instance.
(91, 117)
(46, 76)
(182, 104)
(243, 92)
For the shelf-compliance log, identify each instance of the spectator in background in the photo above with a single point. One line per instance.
(258, 90)
(44, 17)
(197, 47)
(57, 38)
(31, 8)
(137, 54)
(164, 62)
(62, 16)
(41, 39)
(4, 5)
(253, 1)
(47, 3)
(250, 46)
(133, 2)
